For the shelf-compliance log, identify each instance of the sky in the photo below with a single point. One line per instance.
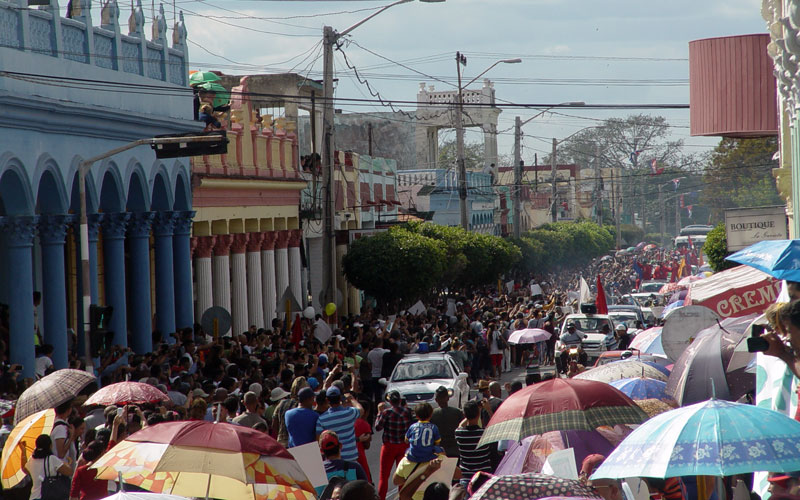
(598, 52)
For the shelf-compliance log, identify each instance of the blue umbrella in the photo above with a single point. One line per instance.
(672, 306)
(778, 258)
(712, 438)
(642, 388)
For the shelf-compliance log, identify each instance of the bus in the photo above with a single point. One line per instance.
(683, 241)
(696, 230)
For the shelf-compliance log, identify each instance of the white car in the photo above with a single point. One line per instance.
(417, 376)
(595, 342)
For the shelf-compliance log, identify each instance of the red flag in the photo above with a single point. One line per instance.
(297, 332)
(600, 301)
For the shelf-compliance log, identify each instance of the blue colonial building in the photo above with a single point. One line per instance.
(70, 90)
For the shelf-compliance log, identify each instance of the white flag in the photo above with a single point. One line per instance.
(585, 293)
(322, 331)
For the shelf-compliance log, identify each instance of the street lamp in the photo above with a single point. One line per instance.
(461, 59)
(518, 159)
(330, 37)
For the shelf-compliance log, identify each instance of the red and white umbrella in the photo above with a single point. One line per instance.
(123, 393)
(529, 336)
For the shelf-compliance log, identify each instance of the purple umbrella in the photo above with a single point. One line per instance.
(530, 454)
(679, 295)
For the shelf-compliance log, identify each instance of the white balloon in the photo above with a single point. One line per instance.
(309, 313)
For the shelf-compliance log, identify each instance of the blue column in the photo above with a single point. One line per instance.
(163, 228)
(182, 263)
(141, 312)
(18, 231)
(52, 232)
(114, 225)
(94, 231)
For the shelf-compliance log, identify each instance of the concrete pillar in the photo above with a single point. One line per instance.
(222, 273)
(316, 279)
(18, 234)
(114, 228)
(268, 286)
(163, 228)
(139, 252)
(182, 267)
(255, 297)
(281, 269)
(52, 232)
(296, 266)
(94, 232)
(239, 284)
(202, 274)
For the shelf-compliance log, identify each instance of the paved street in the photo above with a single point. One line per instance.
(374, 452)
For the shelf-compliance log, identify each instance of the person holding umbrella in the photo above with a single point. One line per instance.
(42, 464)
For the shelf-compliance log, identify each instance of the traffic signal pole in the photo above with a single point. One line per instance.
(83, 169)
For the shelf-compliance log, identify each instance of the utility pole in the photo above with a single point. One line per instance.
(517, 175)
(677, 215)
(598, 186)
(618, 211)
(663, 227)
(554, 167)
(329, 38)
(462, 167)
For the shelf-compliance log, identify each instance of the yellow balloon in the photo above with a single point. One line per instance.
(330, 308)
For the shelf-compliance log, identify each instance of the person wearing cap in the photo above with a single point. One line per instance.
(446, 419)
(394, 420)
(623, 338)
(301, 422)
(341, 419)
(250, 417)
(335, 466)
(784, 485)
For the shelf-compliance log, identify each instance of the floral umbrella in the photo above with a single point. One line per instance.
(123, 393)
(712, 438)
(207, 459)
(627, 368)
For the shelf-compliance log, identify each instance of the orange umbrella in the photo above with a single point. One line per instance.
(28, 430)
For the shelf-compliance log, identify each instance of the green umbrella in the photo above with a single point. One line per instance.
(223, 95)
(201, 77)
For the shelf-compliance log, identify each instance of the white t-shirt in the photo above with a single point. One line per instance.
(35, 467)
(375, 357)
(43, 363)
(62, 432)
(493, 349)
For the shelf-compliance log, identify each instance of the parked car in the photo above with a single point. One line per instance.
(611, 356)
(417, 376)
(595, 341)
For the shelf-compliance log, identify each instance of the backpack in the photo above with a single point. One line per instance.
(502, 344)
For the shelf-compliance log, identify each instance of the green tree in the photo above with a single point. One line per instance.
(563, 244)
(473, 155)
(395, 266)
(716, 248)
(739, 174)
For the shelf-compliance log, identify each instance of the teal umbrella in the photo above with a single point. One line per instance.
(201, 77)
(222, 94)
(712, 438)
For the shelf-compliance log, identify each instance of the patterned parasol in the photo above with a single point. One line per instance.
(207, 459)
(627, 368)
(50, 391)
(531, 486)
(560, 405)
(27, 431)
(123, 393)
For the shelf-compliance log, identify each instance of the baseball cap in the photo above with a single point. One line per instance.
(323, 358)
(277, 394)
(313, 382)
(328, 440)
(333, 391)
(305, 393)
(785, 476)
(199, 393)
(621, 326)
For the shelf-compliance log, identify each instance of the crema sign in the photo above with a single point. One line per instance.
(745, 226)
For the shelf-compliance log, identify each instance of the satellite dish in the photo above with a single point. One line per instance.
(682, 325)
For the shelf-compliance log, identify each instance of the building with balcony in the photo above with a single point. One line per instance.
(72, 89)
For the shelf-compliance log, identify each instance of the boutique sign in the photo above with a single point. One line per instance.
(745, 226)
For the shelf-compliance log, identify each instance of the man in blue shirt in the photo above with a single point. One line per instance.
(341, 420)
(301, 422)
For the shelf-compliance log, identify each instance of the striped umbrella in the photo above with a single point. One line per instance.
(207, 459)
(560, 405)
(50, 391)
(26, 431)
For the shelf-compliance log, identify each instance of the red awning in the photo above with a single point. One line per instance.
(736, 292)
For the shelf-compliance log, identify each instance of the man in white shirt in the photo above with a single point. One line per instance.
(44, 362)
(375, 358)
